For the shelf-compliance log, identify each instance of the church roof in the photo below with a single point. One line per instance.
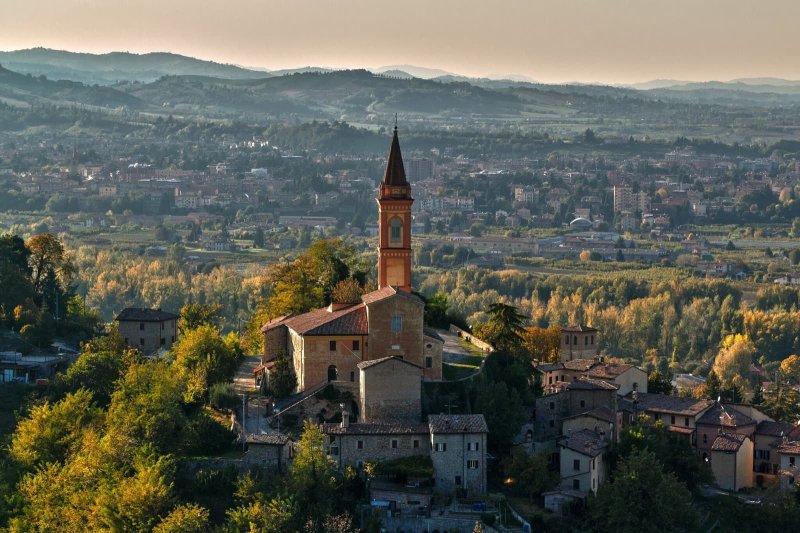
(395, 174)
(387, 292)
(347, 321)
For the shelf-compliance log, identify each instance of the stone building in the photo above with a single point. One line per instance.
(582, 460)
(328, 344)
(150, 330)
(578, 342)
(389, 389)
(456, 445)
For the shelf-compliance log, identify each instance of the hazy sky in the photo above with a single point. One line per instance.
(611, 41)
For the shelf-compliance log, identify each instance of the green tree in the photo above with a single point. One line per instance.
(147, 407)
(313, 475)
(52, 430)
(436, 311)
(503, 327)
(195, 315)
(642, 498)
(258, 238)
(282, 379)
(531, 474)
(504, 412)
(263, 516)
(202, 358)
(97, 371)
(658, 383)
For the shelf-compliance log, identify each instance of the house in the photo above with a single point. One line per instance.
(578, 342)
(627, 378)
(582, 460)
(766, 461)
(788, 449)
(149, 330)
(456, 445)
(731, 461)
(272, 450)
(718, 419)
(558, 501)
(678, 414)
(578, 397)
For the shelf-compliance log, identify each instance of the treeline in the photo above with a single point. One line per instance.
(37, 298)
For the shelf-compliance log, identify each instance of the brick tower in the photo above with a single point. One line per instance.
(394, 223)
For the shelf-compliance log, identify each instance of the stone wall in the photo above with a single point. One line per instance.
(391, 392)
(148, 339)
(470, 338)
(375, 448)
(451, 463)
(407, 343)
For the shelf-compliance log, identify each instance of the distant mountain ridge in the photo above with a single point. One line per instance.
(114, 67)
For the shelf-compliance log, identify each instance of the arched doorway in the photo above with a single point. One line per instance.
(332, 374)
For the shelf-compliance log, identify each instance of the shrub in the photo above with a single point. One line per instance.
(221, 396)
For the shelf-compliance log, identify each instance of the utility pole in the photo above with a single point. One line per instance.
(244, 421)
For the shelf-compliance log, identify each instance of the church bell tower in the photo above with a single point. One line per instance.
(394, 223)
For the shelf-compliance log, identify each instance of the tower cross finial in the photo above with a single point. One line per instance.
(395, 122)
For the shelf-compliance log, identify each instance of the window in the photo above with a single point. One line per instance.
(162, 326)
(141, 326)
(583, 403)
(458, 480)
(395, 230)
(672, 419)
(477, 446)
(356, 346)
(141, 342)
(469, 446)
(686, 421)
(552, 423)
(416, 444)
(550, 380)
(394, 444)
(429, 362)
(705, 438)
(593, 463)
(360, 445)
(586, 341)
(575, 340)
(576, 464)
(656, 417)
(173, 338)
(576, 484)
(397, 323)
(472, 465)
(791, 461)
(163, 341)
(552, 405)
(335, 450)
(332, 346)
(429, 346)
(592, 343)
(352, 376)
(440, 447)
(126, 340)
(566, 340)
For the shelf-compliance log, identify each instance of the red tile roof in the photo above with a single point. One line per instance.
(728, 443)
(608, 370)
(347, 321)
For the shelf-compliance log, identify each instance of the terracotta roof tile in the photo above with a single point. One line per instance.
(726, 442)
(579, 329)
(347, 321)
(387, 292)
(580, 364)
(608, 370)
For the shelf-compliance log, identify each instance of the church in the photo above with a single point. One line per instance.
(340, 342)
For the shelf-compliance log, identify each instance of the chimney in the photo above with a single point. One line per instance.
(345, 417)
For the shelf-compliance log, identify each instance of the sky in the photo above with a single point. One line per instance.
(552, 41)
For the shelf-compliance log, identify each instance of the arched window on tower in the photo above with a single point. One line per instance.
(396, 231)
